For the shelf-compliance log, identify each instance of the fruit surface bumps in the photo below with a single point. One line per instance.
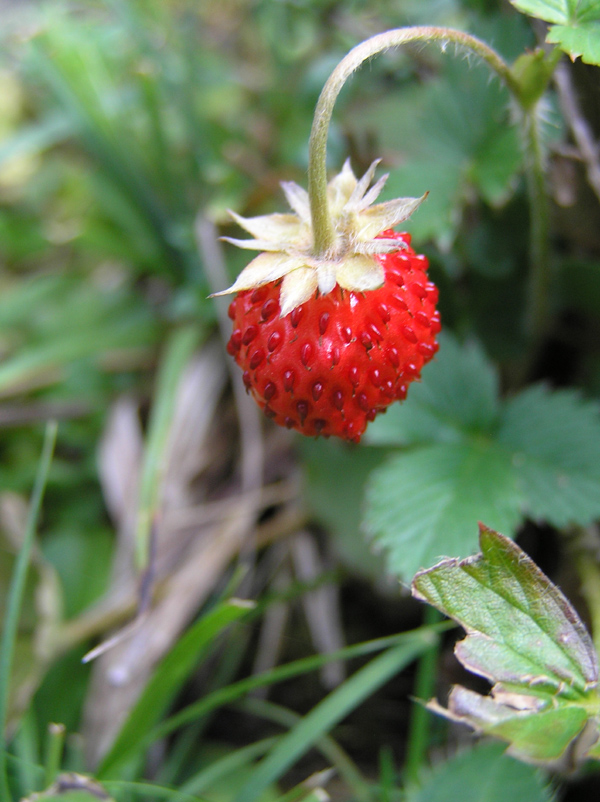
(337, 360)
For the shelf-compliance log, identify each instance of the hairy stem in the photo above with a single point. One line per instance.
(317, 164)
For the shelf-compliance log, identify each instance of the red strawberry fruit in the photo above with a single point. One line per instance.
(328, 342)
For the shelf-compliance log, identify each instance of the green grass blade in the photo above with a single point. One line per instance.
(238, 689)
(420, 717)
(166, 681)
(67, 71)
(15, 596)
(329, 748)
(331, 710)
(26, 756)
(178, 352)
(227, 765)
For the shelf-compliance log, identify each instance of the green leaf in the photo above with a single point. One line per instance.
(555, 440)
(557, 11)
(580, 41)
(519, 624)
(458, 394)
(525, 638)
(475, 458)
(423, 503)
(482, 774)
(576, 27)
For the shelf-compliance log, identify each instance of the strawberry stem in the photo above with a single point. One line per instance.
(323, 231)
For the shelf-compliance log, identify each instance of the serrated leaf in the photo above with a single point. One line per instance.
(538, 454)
(458, 394)
(555, 440)
(482, 774)
(525, 638)
(520, 626)
(581, 41)
(541, 736)
(422, 503)
(576, 27)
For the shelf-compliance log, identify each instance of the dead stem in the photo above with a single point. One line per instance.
(580, 129)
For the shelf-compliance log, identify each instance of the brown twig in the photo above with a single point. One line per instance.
(580, 128)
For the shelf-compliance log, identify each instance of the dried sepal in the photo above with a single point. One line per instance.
(297, 287)
(266, 267)
(287, 240)
(360, 273)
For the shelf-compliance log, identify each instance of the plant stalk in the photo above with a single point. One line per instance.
(317, 162)
(420, 720)
(16, 592)
(54, 752)
(589, 573)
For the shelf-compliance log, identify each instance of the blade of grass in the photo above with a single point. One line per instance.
(420, 719)
(33, 139)
(232, 652)
(331, 710)
(154, 94)
(178, 352)
(24, 768)
(330, 749)
(123, 750)
(26, 754)
(238, 689)
(15, 596)
(227, 765)
(166, 682)
(67, 71)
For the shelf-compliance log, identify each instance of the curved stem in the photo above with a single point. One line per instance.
(317, 166)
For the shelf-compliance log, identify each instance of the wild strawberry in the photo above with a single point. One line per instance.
(326, 343)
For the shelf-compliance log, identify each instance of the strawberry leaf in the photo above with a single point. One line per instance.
(555, 440)
(576, 25)
(458, 394)
(527, 640)
(499, 777)
(582, 40)
(557, 11)
(475, 457)
(443, 489)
